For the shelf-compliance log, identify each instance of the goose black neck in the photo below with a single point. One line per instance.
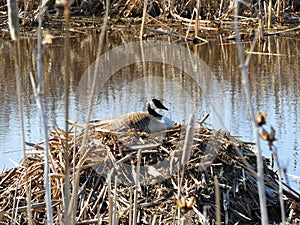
(153, 112)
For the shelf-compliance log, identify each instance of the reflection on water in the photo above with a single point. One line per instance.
(273, 79)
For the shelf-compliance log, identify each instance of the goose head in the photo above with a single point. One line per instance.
(159, 122)
(155, 104)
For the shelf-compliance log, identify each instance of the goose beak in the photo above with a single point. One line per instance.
(165, 108)
(158, 104)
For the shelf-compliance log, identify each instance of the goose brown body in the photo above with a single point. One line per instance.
(136, 120)
(150, 121)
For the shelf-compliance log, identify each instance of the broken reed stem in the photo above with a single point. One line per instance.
(82, 151)
(246, 87)
(66, 186)
(203, 119)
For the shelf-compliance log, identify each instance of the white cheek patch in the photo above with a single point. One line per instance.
(152, 105)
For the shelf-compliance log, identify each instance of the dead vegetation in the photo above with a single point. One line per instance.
(214, 16)
(172, 185)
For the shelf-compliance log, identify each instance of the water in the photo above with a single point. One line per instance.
(273, 79)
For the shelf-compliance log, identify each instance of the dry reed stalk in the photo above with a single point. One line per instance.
(265, 53)
(174, 34)
(15, 35)
(110, 201)
(25, 12)
(220, 9)
(284, 31)
(280, 191)
(115, 213)
(130, 206)
(270, 15)
(164, 25)
(20, 106)
(143, 18)
(37, 89)
(13, 213)
(143, 58)
(137, 187)
(13, 19)
(134, 210)
(278, 8)
(246, 87)
(66, 186)
(201, 122)
(83, 151)
(39, 102)
(179, 183)
(265, 12)
(189, 25)
(197, 19)
(217, 201)
(188, 142)
(260, 27)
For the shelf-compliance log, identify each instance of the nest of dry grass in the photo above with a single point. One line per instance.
(174, 183)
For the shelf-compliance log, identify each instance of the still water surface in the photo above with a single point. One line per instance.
(274, 80)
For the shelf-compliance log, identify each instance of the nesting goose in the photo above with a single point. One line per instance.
(149, 122)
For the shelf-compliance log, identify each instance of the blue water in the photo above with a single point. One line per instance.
(273, 80)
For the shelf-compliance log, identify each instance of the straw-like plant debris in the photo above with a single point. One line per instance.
(215, 17)
(153, 179)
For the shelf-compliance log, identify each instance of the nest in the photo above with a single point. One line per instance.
(177, 175)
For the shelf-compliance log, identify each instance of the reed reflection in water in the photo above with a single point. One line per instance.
(273, 79)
